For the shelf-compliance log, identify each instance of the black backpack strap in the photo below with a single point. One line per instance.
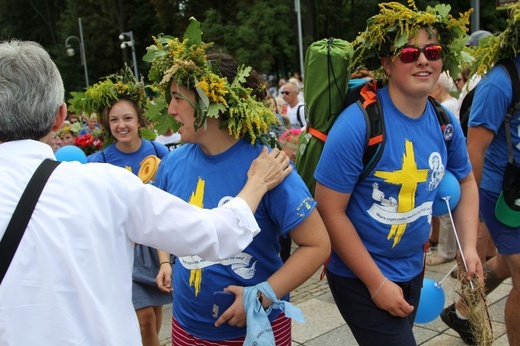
(376, 135)
(442, 115)
(465, 109)
(22, 214)
(512, 71)
(371, 107)
(155, 148)
(443, 118)
(298, 116)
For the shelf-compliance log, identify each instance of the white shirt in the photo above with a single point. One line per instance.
(173, 138)
(292, 113)
(70, 281)
(470, 84)
(452, 104)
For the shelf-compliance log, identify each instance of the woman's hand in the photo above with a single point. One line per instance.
(164, 278)
(266, 171)
(269, 169)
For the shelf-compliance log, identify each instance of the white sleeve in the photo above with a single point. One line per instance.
(163, 221)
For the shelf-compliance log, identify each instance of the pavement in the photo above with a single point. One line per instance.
(324, 325)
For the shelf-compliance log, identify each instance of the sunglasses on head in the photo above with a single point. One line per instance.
(285, 92)
(410, 54)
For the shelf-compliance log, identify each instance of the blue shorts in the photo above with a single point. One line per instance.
(506, 239)
(369, 324)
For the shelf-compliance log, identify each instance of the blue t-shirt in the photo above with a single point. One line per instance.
(209, 181)
(391, 208)
(130, 161)
(492, 98)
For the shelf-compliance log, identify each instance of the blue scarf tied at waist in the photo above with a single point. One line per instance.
(259, 331)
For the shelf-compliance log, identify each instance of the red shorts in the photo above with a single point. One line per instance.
(281, 329)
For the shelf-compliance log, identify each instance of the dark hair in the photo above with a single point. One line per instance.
(465, 74)
(227, 67)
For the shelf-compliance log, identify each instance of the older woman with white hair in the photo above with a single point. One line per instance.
(441, 92)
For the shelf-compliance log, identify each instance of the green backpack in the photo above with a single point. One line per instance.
(326, 77)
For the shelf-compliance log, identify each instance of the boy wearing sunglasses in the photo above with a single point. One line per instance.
(378, 225)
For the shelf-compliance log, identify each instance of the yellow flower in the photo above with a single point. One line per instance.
(186, 63)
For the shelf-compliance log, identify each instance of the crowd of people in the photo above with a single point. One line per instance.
(215, 219)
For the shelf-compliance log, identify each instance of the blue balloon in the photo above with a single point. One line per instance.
(448, 187)
(431, 302)
(70, 153)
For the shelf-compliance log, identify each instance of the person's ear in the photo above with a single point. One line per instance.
(385, 62)
(60, 117)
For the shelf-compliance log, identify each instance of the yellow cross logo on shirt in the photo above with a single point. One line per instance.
(409, 176)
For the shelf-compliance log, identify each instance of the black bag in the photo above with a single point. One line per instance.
(507, 209)
(465, 107)
(511, 186)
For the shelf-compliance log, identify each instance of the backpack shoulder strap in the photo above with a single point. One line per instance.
(375, 134)
(298, 116)
(442, 115)
(155, 148)
(465, 108)
(512, 71)
(444, 120)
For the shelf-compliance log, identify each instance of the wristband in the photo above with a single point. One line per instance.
(164, 263)
(379, 289)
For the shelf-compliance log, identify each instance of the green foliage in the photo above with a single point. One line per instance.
(491, 49)
(390, 30)
(30, 20)
(157, 113)
(186, 63)
(259, 33)
(101, 95)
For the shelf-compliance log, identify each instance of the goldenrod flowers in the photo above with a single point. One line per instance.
(505, 45)
(103, 94)
(186, 63)
(391, 29)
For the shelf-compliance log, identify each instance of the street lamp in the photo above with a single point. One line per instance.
(300, 41)
(70, 50)
(475, 16)
(130, 43)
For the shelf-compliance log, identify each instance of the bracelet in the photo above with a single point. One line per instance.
(164, 263)
(379, 289)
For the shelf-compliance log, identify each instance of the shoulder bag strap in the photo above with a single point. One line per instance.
(22, 214)
(155, 148)
(298, 116)
(512, 71)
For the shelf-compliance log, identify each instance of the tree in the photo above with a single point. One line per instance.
(33, 20)
(258, 34)
(261, 33)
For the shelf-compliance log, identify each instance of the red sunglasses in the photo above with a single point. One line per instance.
(410, 54)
